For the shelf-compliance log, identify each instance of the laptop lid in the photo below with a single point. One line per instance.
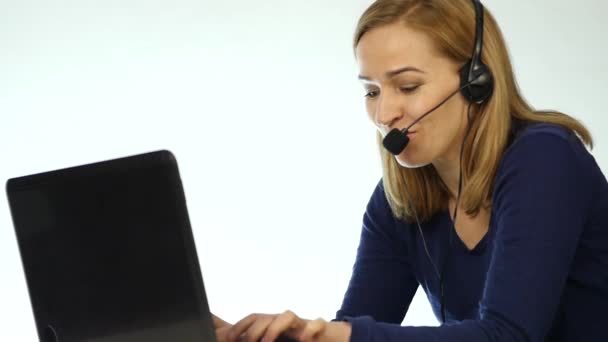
(108, 252)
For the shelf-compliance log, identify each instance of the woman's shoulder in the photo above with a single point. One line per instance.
(544, 154)
(541, 130)
(543, 141)
(379, 210)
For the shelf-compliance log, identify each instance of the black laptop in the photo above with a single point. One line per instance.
(108, 253)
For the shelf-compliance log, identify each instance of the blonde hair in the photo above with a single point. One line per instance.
(450, 24)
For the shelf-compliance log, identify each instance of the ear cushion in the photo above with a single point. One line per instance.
(482, 82)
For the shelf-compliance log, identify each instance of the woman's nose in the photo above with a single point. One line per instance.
(388, 111)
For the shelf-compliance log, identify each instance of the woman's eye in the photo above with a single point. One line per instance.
(408, 89)
(371, 94)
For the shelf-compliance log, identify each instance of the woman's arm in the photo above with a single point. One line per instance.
(382, 283)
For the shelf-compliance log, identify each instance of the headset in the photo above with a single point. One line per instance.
(475, 72)
(476, 85)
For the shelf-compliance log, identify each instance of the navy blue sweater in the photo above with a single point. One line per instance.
(539, 274)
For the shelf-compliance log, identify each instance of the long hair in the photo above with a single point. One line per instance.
(450, 24)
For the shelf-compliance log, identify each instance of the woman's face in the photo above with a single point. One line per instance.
(404, 77)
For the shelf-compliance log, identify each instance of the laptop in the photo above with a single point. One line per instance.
(108, 252)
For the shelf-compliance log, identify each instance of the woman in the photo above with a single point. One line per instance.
(498, 211)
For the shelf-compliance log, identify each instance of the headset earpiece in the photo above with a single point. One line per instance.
(474, 73)
(481, 82)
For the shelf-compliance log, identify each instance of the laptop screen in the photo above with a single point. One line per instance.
(108, 252)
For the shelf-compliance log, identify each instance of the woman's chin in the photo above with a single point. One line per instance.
(411, 162)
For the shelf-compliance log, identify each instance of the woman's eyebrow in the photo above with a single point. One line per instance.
(393, 73)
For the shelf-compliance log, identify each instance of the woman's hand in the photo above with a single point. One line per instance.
(268, 328)
(222, 328)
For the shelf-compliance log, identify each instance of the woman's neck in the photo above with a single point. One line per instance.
(448, 170)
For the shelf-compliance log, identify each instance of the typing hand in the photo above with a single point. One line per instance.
(273, 328)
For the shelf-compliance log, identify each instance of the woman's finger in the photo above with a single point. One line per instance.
(257, 329)
(241, 326)
(281, 324)
(221, 334)
(218, 322)
(311, 330)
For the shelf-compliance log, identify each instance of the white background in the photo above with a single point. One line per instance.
(260, 103)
